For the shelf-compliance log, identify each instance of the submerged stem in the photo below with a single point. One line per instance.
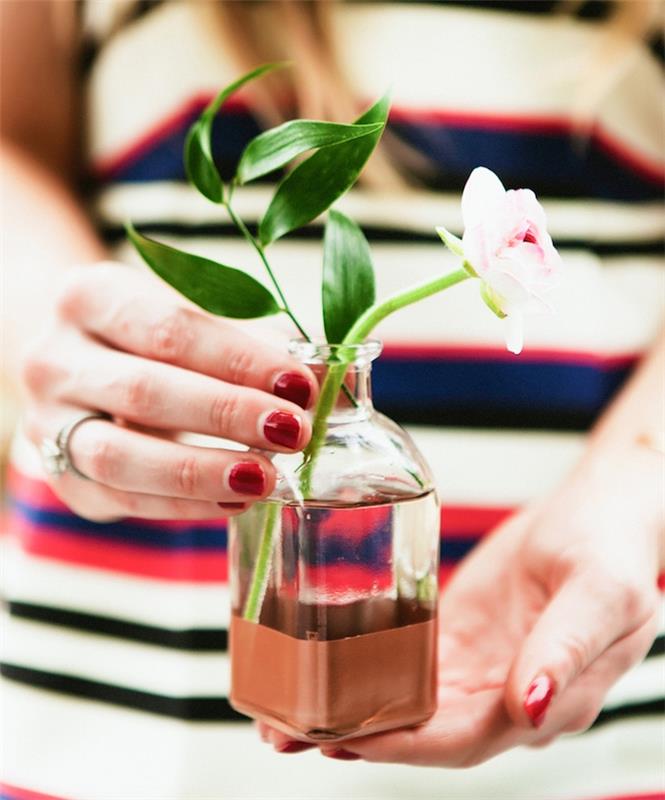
(259, 582)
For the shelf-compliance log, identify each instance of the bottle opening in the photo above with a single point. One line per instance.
(320, 352)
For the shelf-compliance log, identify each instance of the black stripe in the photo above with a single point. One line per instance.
(215, 709)
(113, 234)
(192, 639)
(195, 709)
(646, 708)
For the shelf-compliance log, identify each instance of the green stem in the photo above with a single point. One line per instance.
(240, 225)
(259, 582)
(358, 333)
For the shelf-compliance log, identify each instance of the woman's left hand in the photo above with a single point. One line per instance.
(540, 620)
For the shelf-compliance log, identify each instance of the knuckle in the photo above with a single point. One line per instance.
(104, 459)
(138, 395)
(187, 475)
(170, 337)
(72, 293)
(240, 364)
(224, 412)
(636, 602)
(36, 371)
(577, 653)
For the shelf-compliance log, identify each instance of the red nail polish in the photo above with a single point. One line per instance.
(247, 478)
(343, 755)
(537, 699)
(294, 747)
(282, 428)
(231, 505)
(294, 387)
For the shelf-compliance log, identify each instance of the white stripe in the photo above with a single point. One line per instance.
(592, 295)
(475, 467)
(503, 64)
(170, 604)
(419, 211)
(641, 684)
(80, 749)
(145, 667)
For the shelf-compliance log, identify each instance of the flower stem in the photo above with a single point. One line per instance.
(259, 582)
(358, 333)
(240, 225)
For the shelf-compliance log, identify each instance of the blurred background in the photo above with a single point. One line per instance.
(562, 96)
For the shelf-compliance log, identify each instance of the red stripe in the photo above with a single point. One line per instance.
(640, 796)
(108, 166)
(176, 565)
(18, 793)
(471, 521)
(432, 350)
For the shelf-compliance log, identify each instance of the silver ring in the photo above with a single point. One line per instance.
(55, 454)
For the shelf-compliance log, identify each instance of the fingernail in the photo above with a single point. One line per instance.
(282, 428)
(294, 747)
(247, 478)
(294, 387)
(342, 755)
(231, 505)
(537, 699)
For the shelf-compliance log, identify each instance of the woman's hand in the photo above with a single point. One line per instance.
(541, 619)
(123, 343)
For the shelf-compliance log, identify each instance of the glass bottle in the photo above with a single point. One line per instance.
(334, 580)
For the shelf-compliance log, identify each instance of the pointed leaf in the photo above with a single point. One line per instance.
(199, 164)
(348, 276)
(313, 186)
(492, 300)
(215, 287)
(275, 148)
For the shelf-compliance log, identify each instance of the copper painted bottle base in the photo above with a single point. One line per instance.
(337, 688)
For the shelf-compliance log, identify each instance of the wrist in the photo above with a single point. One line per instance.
(629, 473)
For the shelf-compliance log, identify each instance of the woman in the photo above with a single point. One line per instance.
(547, 613)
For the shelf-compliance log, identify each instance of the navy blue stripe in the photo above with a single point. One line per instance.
(513, 389)
(190, 538)
(549, 163)
(372, 549)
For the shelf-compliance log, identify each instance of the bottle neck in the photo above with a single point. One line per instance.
(354, 400)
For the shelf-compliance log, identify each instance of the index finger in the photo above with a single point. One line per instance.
(119, 305)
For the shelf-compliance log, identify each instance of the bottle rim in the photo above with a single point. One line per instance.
(321, 352)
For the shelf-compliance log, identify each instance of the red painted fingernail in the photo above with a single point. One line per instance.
(282, 428)
(247, 478)
(231, 505)
(294, 387)
(294, 747)
(343, 755)
(537, 699)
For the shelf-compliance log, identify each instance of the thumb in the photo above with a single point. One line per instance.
(585, 617)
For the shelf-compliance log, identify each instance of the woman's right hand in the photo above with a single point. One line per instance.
(123, 343)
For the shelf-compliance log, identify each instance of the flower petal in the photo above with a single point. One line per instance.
(514, 332)
(481, 196)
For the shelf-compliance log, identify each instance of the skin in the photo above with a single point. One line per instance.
(565, 588)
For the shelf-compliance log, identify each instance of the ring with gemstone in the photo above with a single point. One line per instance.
(55, 454)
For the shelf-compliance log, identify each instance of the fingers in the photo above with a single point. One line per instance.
(577, 709)
(167, 397)
(103, 504)
(588, 614)
(119, 305)
(132, 461)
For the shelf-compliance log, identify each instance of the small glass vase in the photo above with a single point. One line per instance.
(334, 580)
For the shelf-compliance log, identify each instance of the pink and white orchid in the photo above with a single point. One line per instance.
(507, 245)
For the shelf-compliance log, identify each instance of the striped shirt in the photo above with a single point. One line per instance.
(125, 623)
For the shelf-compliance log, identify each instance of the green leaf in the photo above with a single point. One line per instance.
(199, 164)
(275, 148)
(222, 290)
(313, 186)
(348, 276)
